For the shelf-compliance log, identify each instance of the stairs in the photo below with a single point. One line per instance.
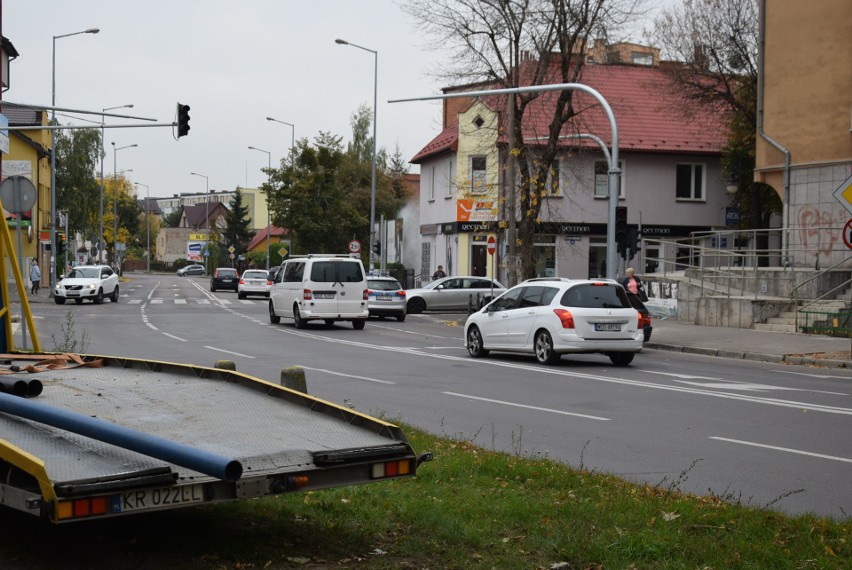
(816, 318)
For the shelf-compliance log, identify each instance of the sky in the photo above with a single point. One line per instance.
(234, 63)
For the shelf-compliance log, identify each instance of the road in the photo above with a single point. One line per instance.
(766, 434)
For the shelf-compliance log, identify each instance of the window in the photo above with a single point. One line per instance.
(432, 186)
(507, 301)
(596, 297)
(293, 272)
(602, 179)
(478, 179)
(450, 181)
(553, 178)
(689, 183)
(641, 58)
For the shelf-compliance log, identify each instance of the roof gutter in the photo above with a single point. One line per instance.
(786, 205)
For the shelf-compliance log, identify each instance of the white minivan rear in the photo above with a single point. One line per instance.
(328, 288)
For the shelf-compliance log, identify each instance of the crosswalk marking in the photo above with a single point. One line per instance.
(184, 301)
(134, 301)
(156, 301)
(180, 301)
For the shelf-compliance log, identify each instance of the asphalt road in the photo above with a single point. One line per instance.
(766, 434)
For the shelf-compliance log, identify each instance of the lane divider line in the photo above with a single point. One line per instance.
(527, 407)
(784, 449)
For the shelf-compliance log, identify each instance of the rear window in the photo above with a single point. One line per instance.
(590, 296)
(226, 273)
(255, 275)
(334, 271)
(383, 284)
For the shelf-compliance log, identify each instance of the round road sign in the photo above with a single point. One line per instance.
(847, 234)
(492, 245)
(354, 246)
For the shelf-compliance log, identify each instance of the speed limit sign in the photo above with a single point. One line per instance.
(354, 246)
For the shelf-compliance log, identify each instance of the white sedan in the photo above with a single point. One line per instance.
(92, 282)
(254, 282)
(552, 317)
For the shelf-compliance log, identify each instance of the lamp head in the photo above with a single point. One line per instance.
(92, 31)
(269, 119)
(341, 42)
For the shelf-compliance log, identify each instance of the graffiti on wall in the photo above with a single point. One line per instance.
(820, 230)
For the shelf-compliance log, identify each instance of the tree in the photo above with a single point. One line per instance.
(172, 220)
(77, 188)
(715, 45)
(127, 208)
(311, 197)
(510, 43)
(237, 221)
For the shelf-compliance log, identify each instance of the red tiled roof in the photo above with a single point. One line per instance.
(648, 113)
(260, 236)
(447, 140)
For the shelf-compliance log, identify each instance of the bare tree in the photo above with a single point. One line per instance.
(513, 43)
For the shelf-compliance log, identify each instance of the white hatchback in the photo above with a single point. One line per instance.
(254, 282)
(92, 282)
(552, 317)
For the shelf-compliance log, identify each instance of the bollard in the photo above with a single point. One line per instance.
(294, 378)
(225, 365)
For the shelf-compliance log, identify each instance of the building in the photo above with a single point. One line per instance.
(669, 158)
(805, 109)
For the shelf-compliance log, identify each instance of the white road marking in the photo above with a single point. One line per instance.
(156, 301)
(333, 373)
(134, 301)
(515, 404)
(785, 449)
(150, 326)
(203, 301)
(224, 301)
(682, 376)
(228, 351)
(175, 337)
(821, 376)
(246, 302)
(180, 301)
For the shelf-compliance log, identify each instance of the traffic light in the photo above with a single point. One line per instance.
(60, 246)
(621, 228)
(182, 120)
(633, 238)
(377, 248)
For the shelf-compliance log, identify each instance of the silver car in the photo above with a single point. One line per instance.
(385, 297)
(458, 293)
(254, 282)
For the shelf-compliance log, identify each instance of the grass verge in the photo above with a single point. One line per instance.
(469, 508)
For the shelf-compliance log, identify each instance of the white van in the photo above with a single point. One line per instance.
(330, 288)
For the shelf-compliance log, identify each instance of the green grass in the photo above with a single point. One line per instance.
(469, 508)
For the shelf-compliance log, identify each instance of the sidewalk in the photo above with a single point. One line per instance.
(676, 336)
(791, 348)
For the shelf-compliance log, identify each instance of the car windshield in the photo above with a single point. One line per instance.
(227, 273)
(596, 296)
(255, 275)
(84, 273)
(334, 271)
(383, 284)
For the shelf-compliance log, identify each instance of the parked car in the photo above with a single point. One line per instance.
(224, 278)
(453, 294)
(193, 269)
(254, 282)
(330, 288)
(549, 318)
(385, 297)
(92, 282)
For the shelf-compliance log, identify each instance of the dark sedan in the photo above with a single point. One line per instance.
(224, 278)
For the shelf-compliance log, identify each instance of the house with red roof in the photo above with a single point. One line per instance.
(671, 179)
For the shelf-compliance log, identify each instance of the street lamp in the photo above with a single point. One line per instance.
(292, 126)
(103, 154)
(269, 182)
(115, 198)
(53, 157)
(147, 220)
(206, 218)
(375, 143)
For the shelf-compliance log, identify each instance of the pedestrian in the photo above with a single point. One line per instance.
(35, 277)
(633, 285)
(439, 273)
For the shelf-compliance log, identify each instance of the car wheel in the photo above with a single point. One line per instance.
(78, 301)
(241, 295)
(416, 306)
(329, 322)
(400, 318)
(114, 296)
(621, 358)
(358, 324)
(99, 298)
(59, 300)
(544, 352)
(297, 318)
(273, 318)
(474, 343)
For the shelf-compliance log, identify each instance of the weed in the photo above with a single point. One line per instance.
(69, 341)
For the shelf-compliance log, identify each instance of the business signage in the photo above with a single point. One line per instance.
(195, 250)
(476, 210)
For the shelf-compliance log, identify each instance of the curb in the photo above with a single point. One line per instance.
(756, 356)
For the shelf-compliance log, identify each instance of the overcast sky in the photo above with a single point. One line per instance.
(235, 63)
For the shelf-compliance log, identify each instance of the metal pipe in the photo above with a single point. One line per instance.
(140, 442)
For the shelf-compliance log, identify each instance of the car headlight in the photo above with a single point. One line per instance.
(93, 286)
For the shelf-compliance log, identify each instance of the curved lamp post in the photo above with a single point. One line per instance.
(115, 197)
(269, 181)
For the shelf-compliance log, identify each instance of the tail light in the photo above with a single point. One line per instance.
(366, 294)
(307, 295)
(242, 281)
(565, 317)
(644, 320)
(370, 292)
(400, 294)
(269, 282)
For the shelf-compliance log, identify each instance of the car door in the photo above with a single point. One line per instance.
(495, 326)
(522, 319)
(351, 284)
(447, 294)
(108, 280)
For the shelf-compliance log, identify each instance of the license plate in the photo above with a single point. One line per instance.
(226, 280)
(384, 297)
(323, 295)
(146, 499)
(72, 293)
(608, 327)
